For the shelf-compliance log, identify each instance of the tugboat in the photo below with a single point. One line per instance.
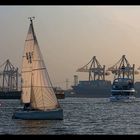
(123, 83)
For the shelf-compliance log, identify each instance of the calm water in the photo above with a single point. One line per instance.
(81, 116)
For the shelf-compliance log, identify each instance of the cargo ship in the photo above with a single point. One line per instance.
(96, 86)
(97, 89)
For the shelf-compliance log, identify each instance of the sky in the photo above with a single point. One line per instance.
(69, 36)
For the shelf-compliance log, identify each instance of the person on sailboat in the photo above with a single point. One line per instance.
(26, 106)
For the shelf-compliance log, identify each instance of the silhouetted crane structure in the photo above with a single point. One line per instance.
(95, 70)
(9, 77)
(123, 69)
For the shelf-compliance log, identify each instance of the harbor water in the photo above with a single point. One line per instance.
(82, 116)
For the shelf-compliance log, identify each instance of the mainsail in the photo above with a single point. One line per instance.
(36, 85)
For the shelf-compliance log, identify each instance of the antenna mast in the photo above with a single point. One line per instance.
(31, 18)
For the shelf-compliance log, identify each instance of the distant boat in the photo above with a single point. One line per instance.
(59, 92)
(38, 97)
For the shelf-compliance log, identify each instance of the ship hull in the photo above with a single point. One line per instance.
(17, 95)
(56, 114)
(10, 95)
(92, 89)
(91, 92)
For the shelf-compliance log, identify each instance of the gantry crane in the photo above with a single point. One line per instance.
(95, 70)
(9, 77)
(123, 69)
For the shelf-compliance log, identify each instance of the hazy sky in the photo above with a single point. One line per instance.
(69, 36)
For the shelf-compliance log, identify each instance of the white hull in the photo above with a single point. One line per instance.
(123, 91)
(117, 98)
(56, 114)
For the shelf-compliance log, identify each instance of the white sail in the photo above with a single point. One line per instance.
(39, 89)
(27, 67)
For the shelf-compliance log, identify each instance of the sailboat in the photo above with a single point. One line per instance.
(38, 97)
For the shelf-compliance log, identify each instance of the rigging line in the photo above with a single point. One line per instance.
(26, 71)
(50, 100)
(29, 39)
(49, 96)
(38, 60)
(35, 102)
(39, 69)
(42, 99)
(53, 94)
(32, 93)
(42, 92)
(48, 77)
(42, 88)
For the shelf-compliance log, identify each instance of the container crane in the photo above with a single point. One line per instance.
(9, 77)
(95, 70)
(123, 69)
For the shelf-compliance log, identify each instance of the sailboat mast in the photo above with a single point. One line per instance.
(31, 20)
(35, 40)
(26, 71)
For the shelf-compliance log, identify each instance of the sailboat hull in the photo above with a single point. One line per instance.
(56, 114)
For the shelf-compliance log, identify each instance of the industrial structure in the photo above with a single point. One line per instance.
(9, 77)
(123, 69)
(95, 70)
(96, 85)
